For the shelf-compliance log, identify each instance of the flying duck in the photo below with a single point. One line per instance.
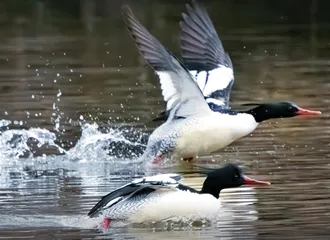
(191, 127)
(205, 58)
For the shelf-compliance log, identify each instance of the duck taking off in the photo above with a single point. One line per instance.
(192, 128)
(189, 117)
(162, 197)
(203, 54)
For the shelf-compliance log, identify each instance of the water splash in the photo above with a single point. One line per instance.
(93, 144)
(4, 122)
(20, 143)
(56, 115)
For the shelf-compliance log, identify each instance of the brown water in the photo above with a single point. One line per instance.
(60, 71)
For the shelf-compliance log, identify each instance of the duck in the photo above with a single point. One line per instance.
(192, 128)
(162, 197)
(206, 59)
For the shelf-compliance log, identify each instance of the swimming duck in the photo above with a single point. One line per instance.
(163, 197)
(192, 128)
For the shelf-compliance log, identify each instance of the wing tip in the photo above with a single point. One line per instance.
(194, 5)
(127, 12)
(129, 19)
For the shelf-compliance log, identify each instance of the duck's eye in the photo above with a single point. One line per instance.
(236, 176)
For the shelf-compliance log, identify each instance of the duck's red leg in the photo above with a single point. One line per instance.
(158, 159)
(105, 223)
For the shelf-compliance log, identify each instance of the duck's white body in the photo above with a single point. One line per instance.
(199, 135)
(167, 204)
(214, 132)
(157, 198)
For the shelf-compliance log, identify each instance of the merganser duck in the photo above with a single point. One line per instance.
(161, 197)
(192, 128)
(205, 58)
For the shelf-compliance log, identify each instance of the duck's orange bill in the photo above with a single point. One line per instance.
(251, 181)
(302, 111)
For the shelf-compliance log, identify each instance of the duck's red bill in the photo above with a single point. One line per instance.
(251, 181)
(302, 111)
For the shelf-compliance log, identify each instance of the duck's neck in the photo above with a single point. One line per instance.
(265, 112)
(209, 190)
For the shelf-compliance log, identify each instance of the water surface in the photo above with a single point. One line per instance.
(76, 101)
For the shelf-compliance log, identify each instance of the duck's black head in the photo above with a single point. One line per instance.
(227, 177)
(278, 110)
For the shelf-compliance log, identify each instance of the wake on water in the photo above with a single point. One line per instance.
(37, 152)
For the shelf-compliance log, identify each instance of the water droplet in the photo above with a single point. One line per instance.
(59, 93)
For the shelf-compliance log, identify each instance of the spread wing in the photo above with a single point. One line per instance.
(205, 57)
(183, 96)
(135, 187)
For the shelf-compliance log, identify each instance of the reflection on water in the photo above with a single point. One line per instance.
(76, 104)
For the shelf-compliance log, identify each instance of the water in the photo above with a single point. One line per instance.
(77, 103)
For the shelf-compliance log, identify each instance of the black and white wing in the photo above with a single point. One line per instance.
(205, 57)
(137, 186)
(183, 96)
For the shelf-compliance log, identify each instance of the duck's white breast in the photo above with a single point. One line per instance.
(177, 205)
(214, 132)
